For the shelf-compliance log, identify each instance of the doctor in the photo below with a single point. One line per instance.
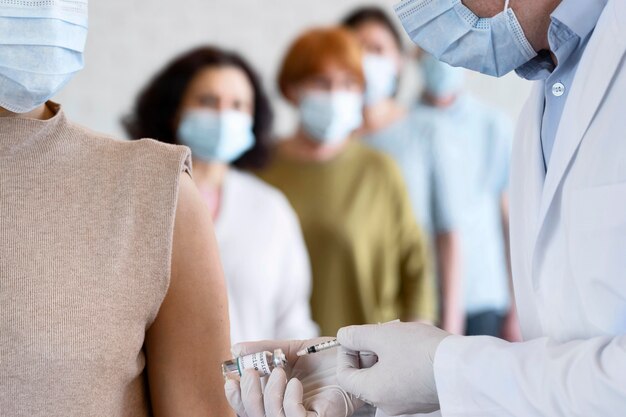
(568, 233)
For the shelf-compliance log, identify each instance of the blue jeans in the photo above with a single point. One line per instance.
(486, 323)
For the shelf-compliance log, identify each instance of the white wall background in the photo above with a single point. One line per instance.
(130, 40)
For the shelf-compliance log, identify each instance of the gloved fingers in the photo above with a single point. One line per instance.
(233, 395)
(275, 393)
(357, 360)
(252, 394)
(358, 382)
(367, 360)
(347, 359)
(332, 400)
(362, 338)
(293, 402)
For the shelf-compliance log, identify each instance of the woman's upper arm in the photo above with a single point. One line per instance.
(190, 336)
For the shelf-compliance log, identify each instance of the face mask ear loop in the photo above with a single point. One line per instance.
(506, 5)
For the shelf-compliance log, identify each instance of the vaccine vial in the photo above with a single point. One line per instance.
(263, 362)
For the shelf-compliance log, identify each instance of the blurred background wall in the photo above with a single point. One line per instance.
(130, 40)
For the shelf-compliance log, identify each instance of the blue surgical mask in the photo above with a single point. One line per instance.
(216, 137)
(440, 79)
(41, 49)
(381, 78)
(454, 34)
(330, 118)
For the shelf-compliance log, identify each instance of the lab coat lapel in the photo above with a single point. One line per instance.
(595, 73)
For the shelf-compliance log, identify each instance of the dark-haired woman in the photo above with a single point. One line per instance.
(212, 101)
(368, 255)
(391, 128)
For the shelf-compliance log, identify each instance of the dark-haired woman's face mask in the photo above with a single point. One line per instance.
(217, 116)
(216, 136)
(41, 49)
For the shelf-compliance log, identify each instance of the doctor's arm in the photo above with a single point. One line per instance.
(421, 369)
(489, 377)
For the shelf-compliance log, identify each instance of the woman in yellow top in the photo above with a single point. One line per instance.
(368, 255)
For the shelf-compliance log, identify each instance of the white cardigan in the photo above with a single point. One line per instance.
(265, 262)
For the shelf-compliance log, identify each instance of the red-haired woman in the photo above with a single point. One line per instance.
(368, 255)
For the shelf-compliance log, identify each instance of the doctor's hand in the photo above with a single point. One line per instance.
(306, 388)
(403, 380)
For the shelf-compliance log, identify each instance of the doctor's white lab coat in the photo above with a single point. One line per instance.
(568, 237)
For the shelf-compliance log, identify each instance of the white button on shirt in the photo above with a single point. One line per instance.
(572, 24)
(558, 89)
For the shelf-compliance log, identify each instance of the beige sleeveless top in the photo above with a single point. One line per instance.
(86, 225)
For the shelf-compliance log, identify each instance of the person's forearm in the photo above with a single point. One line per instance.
(449, 262)
(504, 214)
(511, 329)
(504, 210)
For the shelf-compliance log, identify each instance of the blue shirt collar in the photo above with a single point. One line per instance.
(580, 16)
(572, 22)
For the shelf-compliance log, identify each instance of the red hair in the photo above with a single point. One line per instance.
(314, 49)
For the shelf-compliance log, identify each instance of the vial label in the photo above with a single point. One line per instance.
(256, 361)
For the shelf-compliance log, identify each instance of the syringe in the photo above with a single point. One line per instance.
(333, 344)
(319, 347)
(366, 359)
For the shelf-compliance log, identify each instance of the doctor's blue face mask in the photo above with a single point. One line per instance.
(41, 49)
(452, 33)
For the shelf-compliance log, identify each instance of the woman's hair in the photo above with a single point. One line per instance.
(308, 55)
(372, 14)
(157, 106)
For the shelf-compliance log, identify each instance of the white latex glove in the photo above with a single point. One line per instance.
(403, 380)
(307, 388)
